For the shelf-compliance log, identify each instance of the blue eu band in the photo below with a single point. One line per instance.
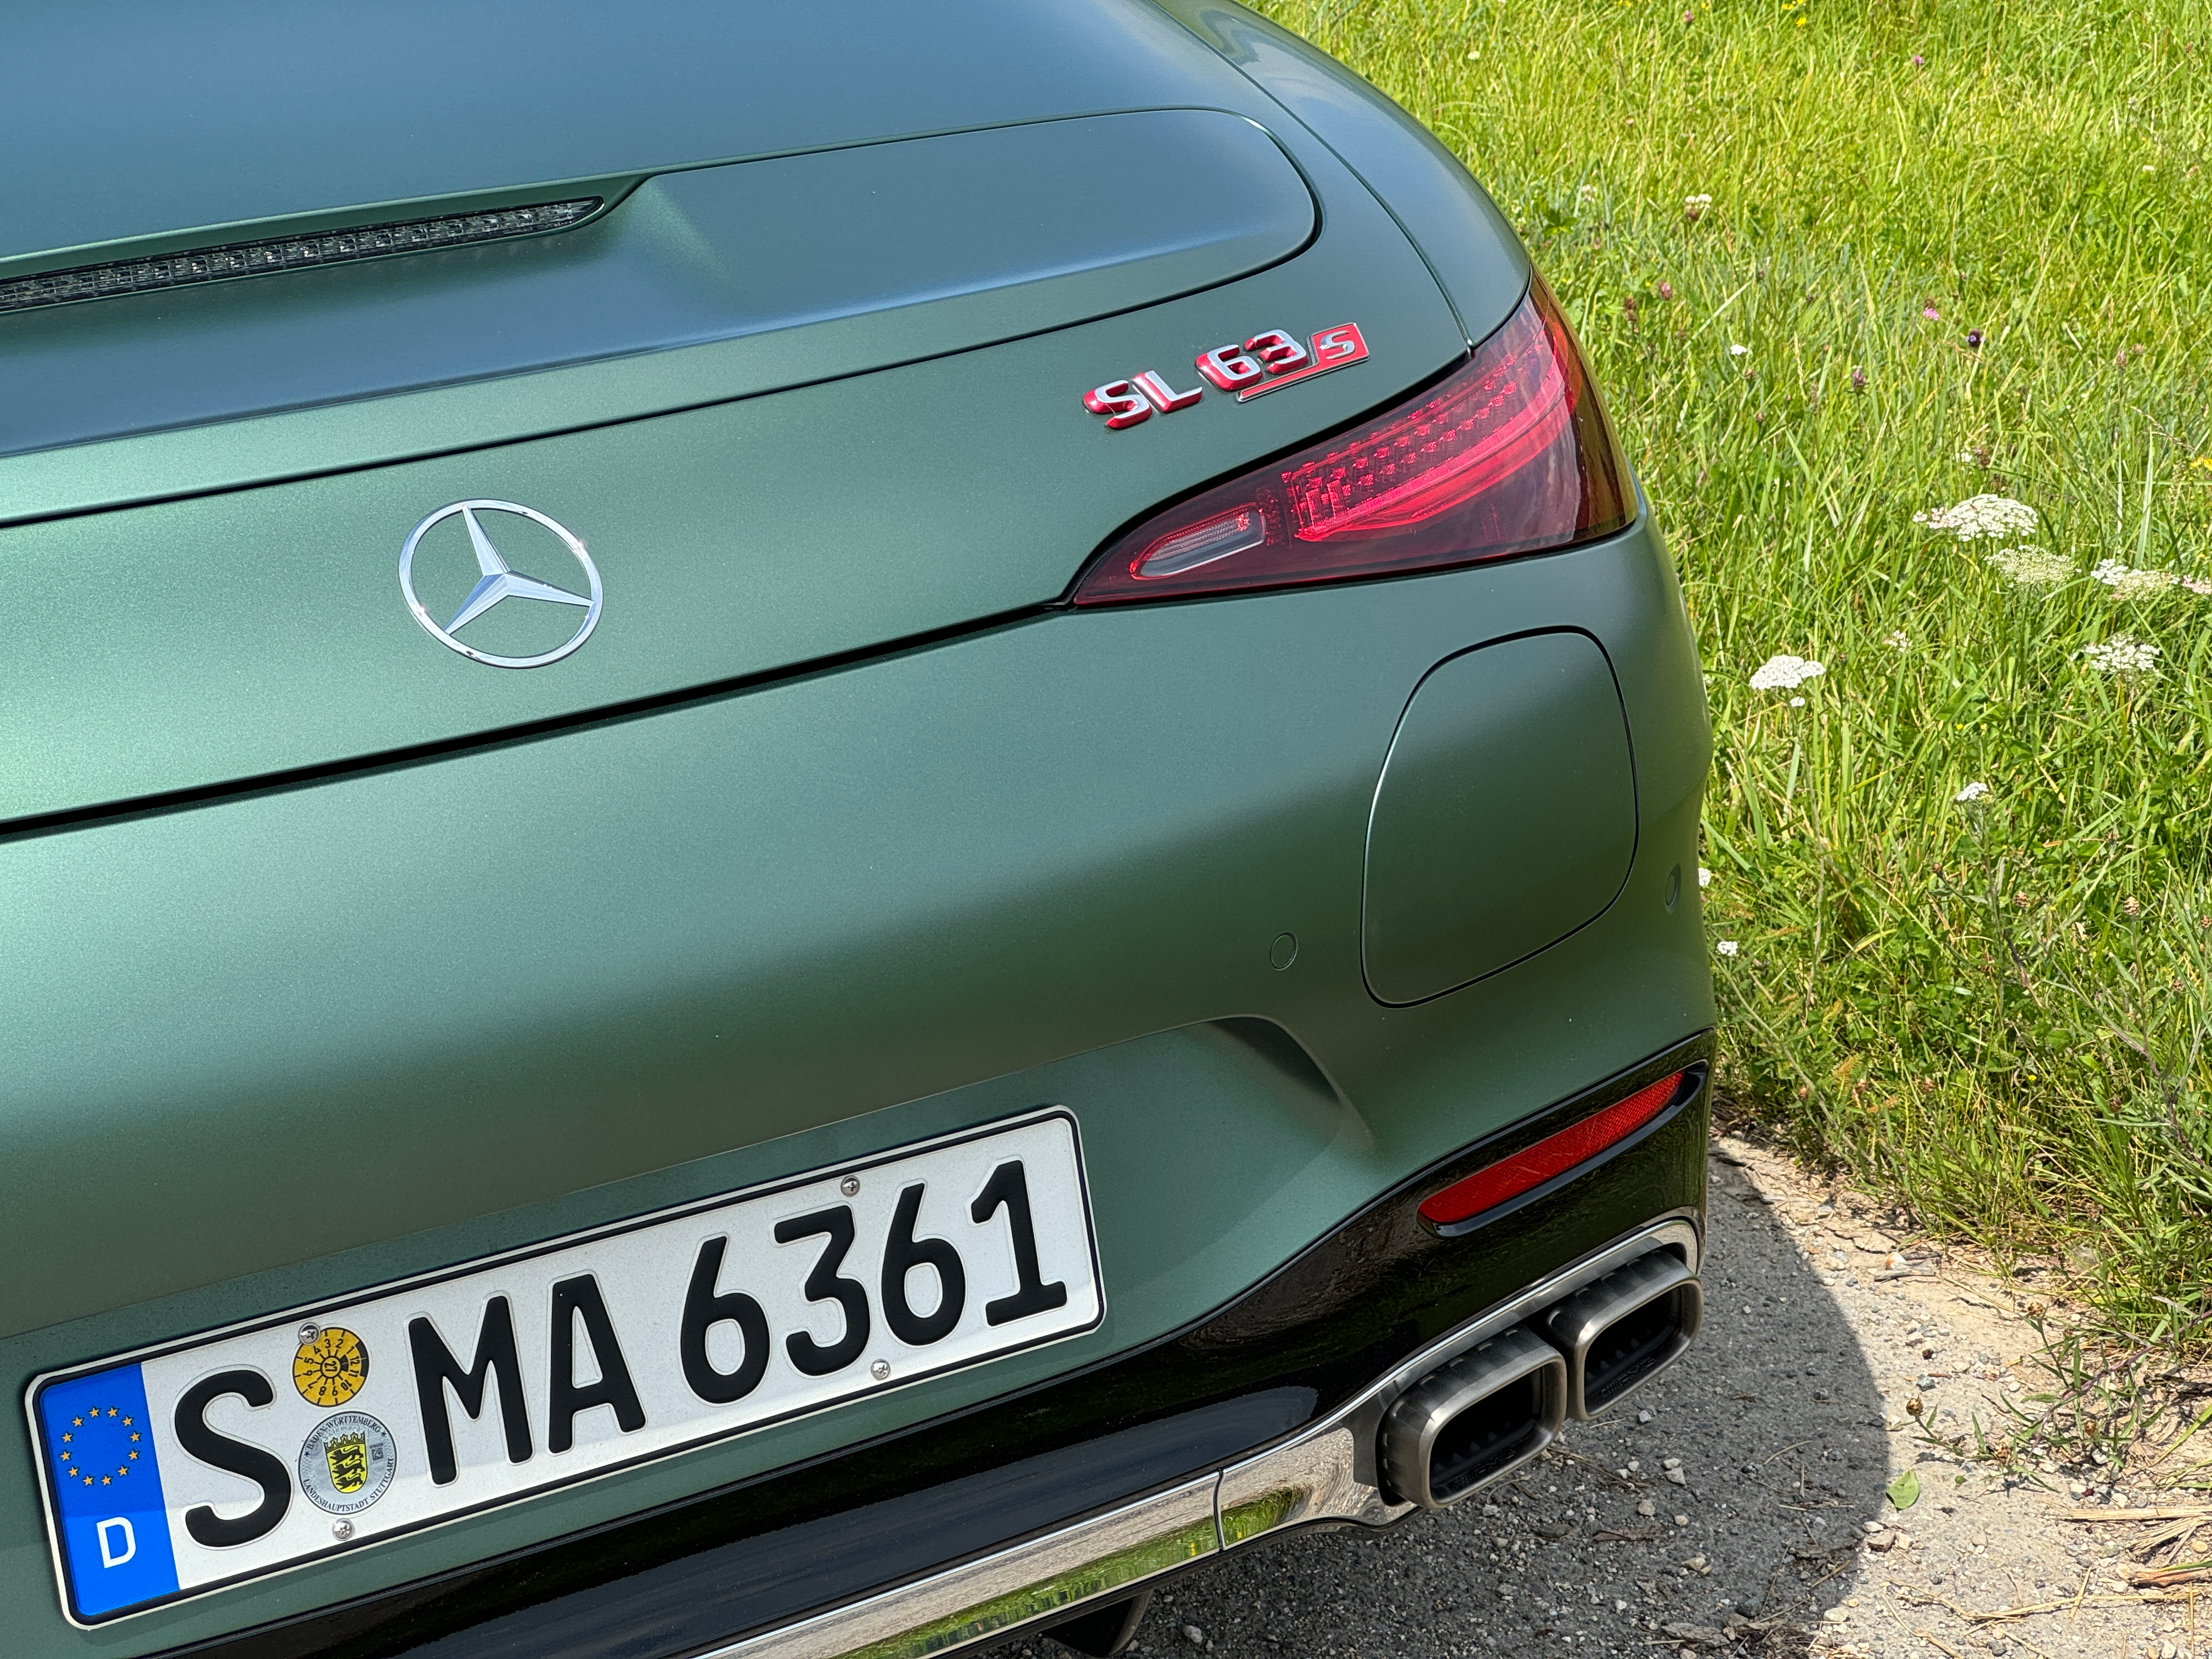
(101, 1468)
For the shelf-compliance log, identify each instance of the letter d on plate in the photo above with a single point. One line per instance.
(104, 1482)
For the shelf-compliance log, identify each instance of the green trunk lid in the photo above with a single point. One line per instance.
(175, 646)
(711, 282)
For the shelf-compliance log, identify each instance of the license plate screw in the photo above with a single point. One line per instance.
(341, 1529)
(882, 1368)
(849, 1186)
(308, 1333)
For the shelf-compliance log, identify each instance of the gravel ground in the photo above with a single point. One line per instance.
(1738, 1502)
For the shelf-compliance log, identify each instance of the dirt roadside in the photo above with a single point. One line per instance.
(1741, 1504)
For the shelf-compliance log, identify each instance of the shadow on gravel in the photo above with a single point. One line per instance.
(1772, 1422)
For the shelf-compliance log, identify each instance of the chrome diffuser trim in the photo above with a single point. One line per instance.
(1329, 1471)
(1059, 1572)
(1326, 1472)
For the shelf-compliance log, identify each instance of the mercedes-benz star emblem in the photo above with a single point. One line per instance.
(500, 582)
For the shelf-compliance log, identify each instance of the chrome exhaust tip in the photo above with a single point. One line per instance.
(1624, 1330)
(1467, 1423)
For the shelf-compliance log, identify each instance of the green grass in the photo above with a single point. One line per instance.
(1996, 1010)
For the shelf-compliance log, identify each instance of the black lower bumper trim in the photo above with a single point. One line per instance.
(755, 1556)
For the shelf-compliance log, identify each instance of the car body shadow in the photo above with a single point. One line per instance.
(1724, 1505)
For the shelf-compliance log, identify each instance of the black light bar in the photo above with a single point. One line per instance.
(275, 254)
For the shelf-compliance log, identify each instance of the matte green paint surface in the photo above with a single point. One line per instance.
(234, 112)
(1471, 249)
(989, 235)
(531, 986)
(649, 946)
(1506, 818)
(249, 632)
(747, 83)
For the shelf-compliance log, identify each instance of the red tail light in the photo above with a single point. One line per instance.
(1510, 454)
(1554, 1155)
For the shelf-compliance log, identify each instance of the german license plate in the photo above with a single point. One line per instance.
(176, 1470)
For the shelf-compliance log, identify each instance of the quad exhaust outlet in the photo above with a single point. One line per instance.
(1481, 1416)
(1624, 1330)
(1469, 1406)
(1485, 1413)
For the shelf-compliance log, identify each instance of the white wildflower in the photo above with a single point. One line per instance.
(1965, 457)
(1704, 876)
(1726, 947)
(2122, 655)
(1587, 193)
(1994, 518)
(1899, 641)
(1695, 207)
(1784, 673)
(2033, 567)
(1735, 350)
(2128, 583)
(1973, 791)
(2196, 585)
(1796, 702)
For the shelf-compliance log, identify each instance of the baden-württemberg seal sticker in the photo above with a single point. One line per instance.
(348, 1462)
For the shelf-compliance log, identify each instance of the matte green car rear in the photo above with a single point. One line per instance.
(341, 963)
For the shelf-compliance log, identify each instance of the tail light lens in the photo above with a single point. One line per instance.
(1554, 1155)
(1510, 454)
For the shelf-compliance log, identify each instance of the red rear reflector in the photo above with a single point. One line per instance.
(1554, 1155)
(1509, 454)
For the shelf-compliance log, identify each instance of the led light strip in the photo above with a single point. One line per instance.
(275, 254)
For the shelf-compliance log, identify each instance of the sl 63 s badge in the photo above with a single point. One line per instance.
(1269, 359)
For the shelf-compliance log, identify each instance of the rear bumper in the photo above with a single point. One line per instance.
(300, 1040)
(1322, 1475)
(1258, 1419)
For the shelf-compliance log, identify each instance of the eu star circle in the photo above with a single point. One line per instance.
(100, 1446)
(499, 582)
